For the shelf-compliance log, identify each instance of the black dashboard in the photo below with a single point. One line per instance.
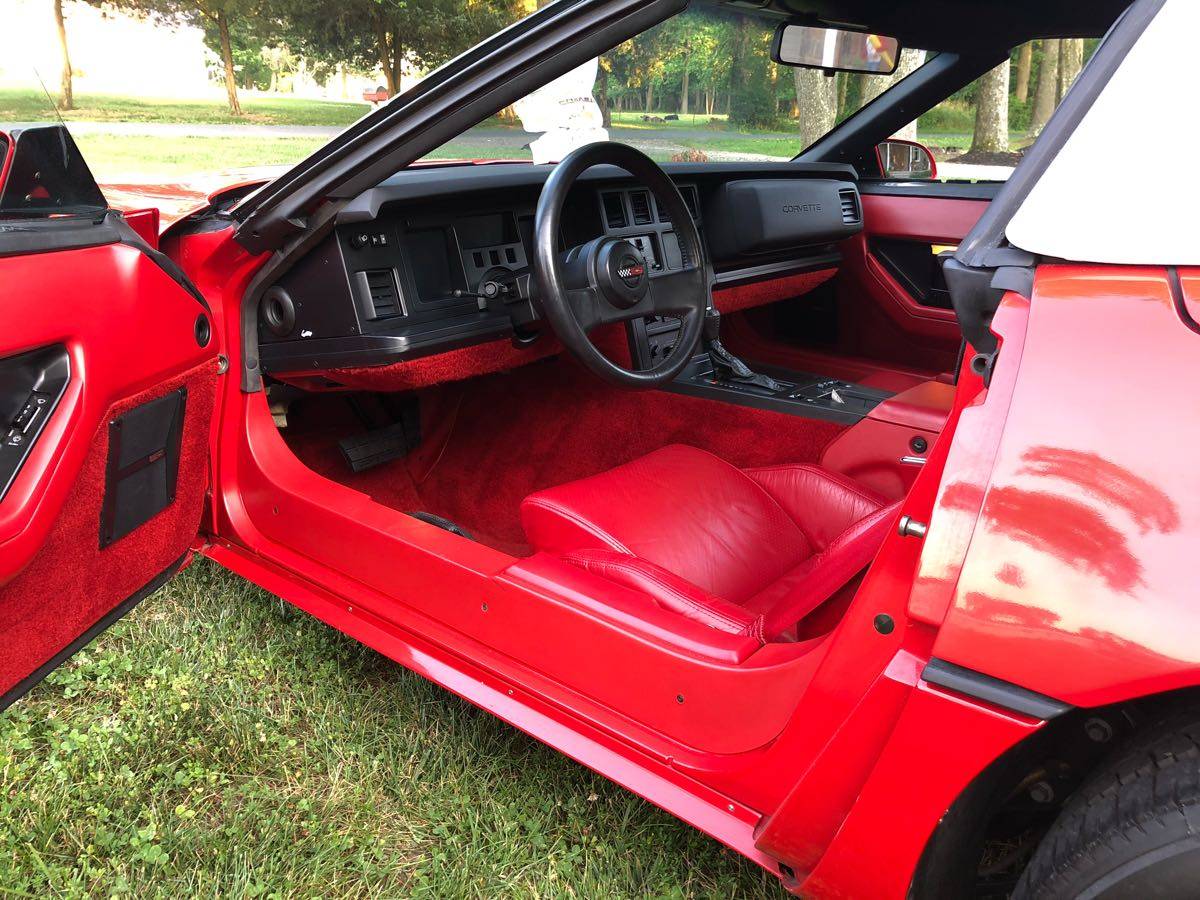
(439, 258)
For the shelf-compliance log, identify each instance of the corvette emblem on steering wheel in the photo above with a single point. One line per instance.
(631, 271)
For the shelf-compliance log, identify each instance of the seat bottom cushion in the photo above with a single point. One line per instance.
(742, 551)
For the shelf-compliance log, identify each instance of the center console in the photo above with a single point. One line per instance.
(655, 338)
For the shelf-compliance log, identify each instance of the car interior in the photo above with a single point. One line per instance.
(664, 414)
(407, 359)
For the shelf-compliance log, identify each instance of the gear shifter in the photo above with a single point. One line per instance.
(728, 367)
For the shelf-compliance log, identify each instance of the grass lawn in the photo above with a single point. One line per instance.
(31, 105)
(218, 742)
(112, 155)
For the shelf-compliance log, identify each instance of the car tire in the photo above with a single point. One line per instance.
(1133, 829)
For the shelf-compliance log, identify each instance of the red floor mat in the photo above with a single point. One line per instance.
(490, 441)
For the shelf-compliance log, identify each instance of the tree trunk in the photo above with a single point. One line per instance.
(991, 112)
(602, 95)
(384, 52)
(1070, 61)
(649, 98)
(874, 85)
(843, 80)
(1045, 94)
(816, 100)
(1024, 67)
(235, 108)
(66, 99)
(683, 94)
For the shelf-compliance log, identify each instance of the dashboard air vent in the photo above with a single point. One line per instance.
(614, 211)
(381, 287)
(850, 212)
(688, 192)
(639, 202)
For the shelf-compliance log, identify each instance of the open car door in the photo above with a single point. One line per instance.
(107, 384)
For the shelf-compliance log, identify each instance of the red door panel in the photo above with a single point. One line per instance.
(107, 384)
(880, 315)
(129, 335)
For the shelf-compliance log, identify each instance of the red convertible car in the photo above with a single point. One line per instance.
(873, 560)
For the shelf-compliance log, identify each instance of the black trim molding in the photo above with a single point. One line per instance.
(966, 681)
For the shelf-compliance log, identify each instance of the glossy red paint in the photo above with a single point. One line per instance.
(1096, 526)
(6, 144)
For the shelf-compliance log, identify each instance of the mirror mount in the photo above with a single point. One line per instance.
(834, 49)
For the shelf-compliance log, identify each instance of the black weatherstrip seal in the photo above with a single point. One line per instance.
(1181, 309)
(992, 690)
(29, 682)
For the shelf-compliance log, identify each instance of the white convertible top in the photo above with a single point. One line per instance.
(1125, 188)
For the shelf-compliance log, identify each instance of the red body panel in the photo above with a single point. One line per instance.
(1079, 578)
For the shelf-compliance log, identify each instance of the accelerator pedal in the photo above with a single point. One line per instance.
(374, 448)
(394, 430)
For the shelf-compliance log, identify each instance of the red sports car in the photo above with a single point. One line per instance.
(875, 561)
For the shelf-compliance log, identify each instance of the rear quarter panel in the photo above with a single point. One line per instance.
(1079, 578)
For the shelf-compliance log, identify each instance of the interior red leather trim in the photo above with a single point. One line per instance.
(680, 508)
(668, 589)
(823, 503)
(462, 363)
(821, 576)
(758, 293)
(939, 220)
(926, 406)
(741, 335)
(701, 523)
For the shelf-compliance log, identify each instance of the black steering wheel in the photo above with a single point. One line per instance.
(607, 280)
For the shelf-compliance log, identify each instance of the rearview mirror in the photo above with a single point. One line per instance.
(835, 50)
(906, 160)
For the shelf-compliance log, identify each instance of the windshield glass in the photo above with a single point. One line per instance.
(700, 87)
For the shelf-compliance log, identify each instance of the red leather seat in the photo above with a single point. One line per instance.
(745, 551)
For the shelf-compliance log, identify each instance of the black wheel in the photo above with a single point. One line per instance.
(1133, 829)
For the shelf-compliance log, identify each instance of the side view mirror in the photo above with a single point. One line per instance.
(906, 160)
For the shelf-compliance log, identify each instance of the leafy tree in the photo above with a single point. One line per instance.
(752, 104)
(391, 34)
(218, 18)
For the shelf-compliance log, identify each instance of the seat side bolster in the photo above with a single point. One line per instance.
(669, 591)
(823, 504)
(555, 528)
(819, 578)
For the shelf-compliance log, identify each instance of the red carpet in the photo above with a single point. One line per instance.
(490, 441)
